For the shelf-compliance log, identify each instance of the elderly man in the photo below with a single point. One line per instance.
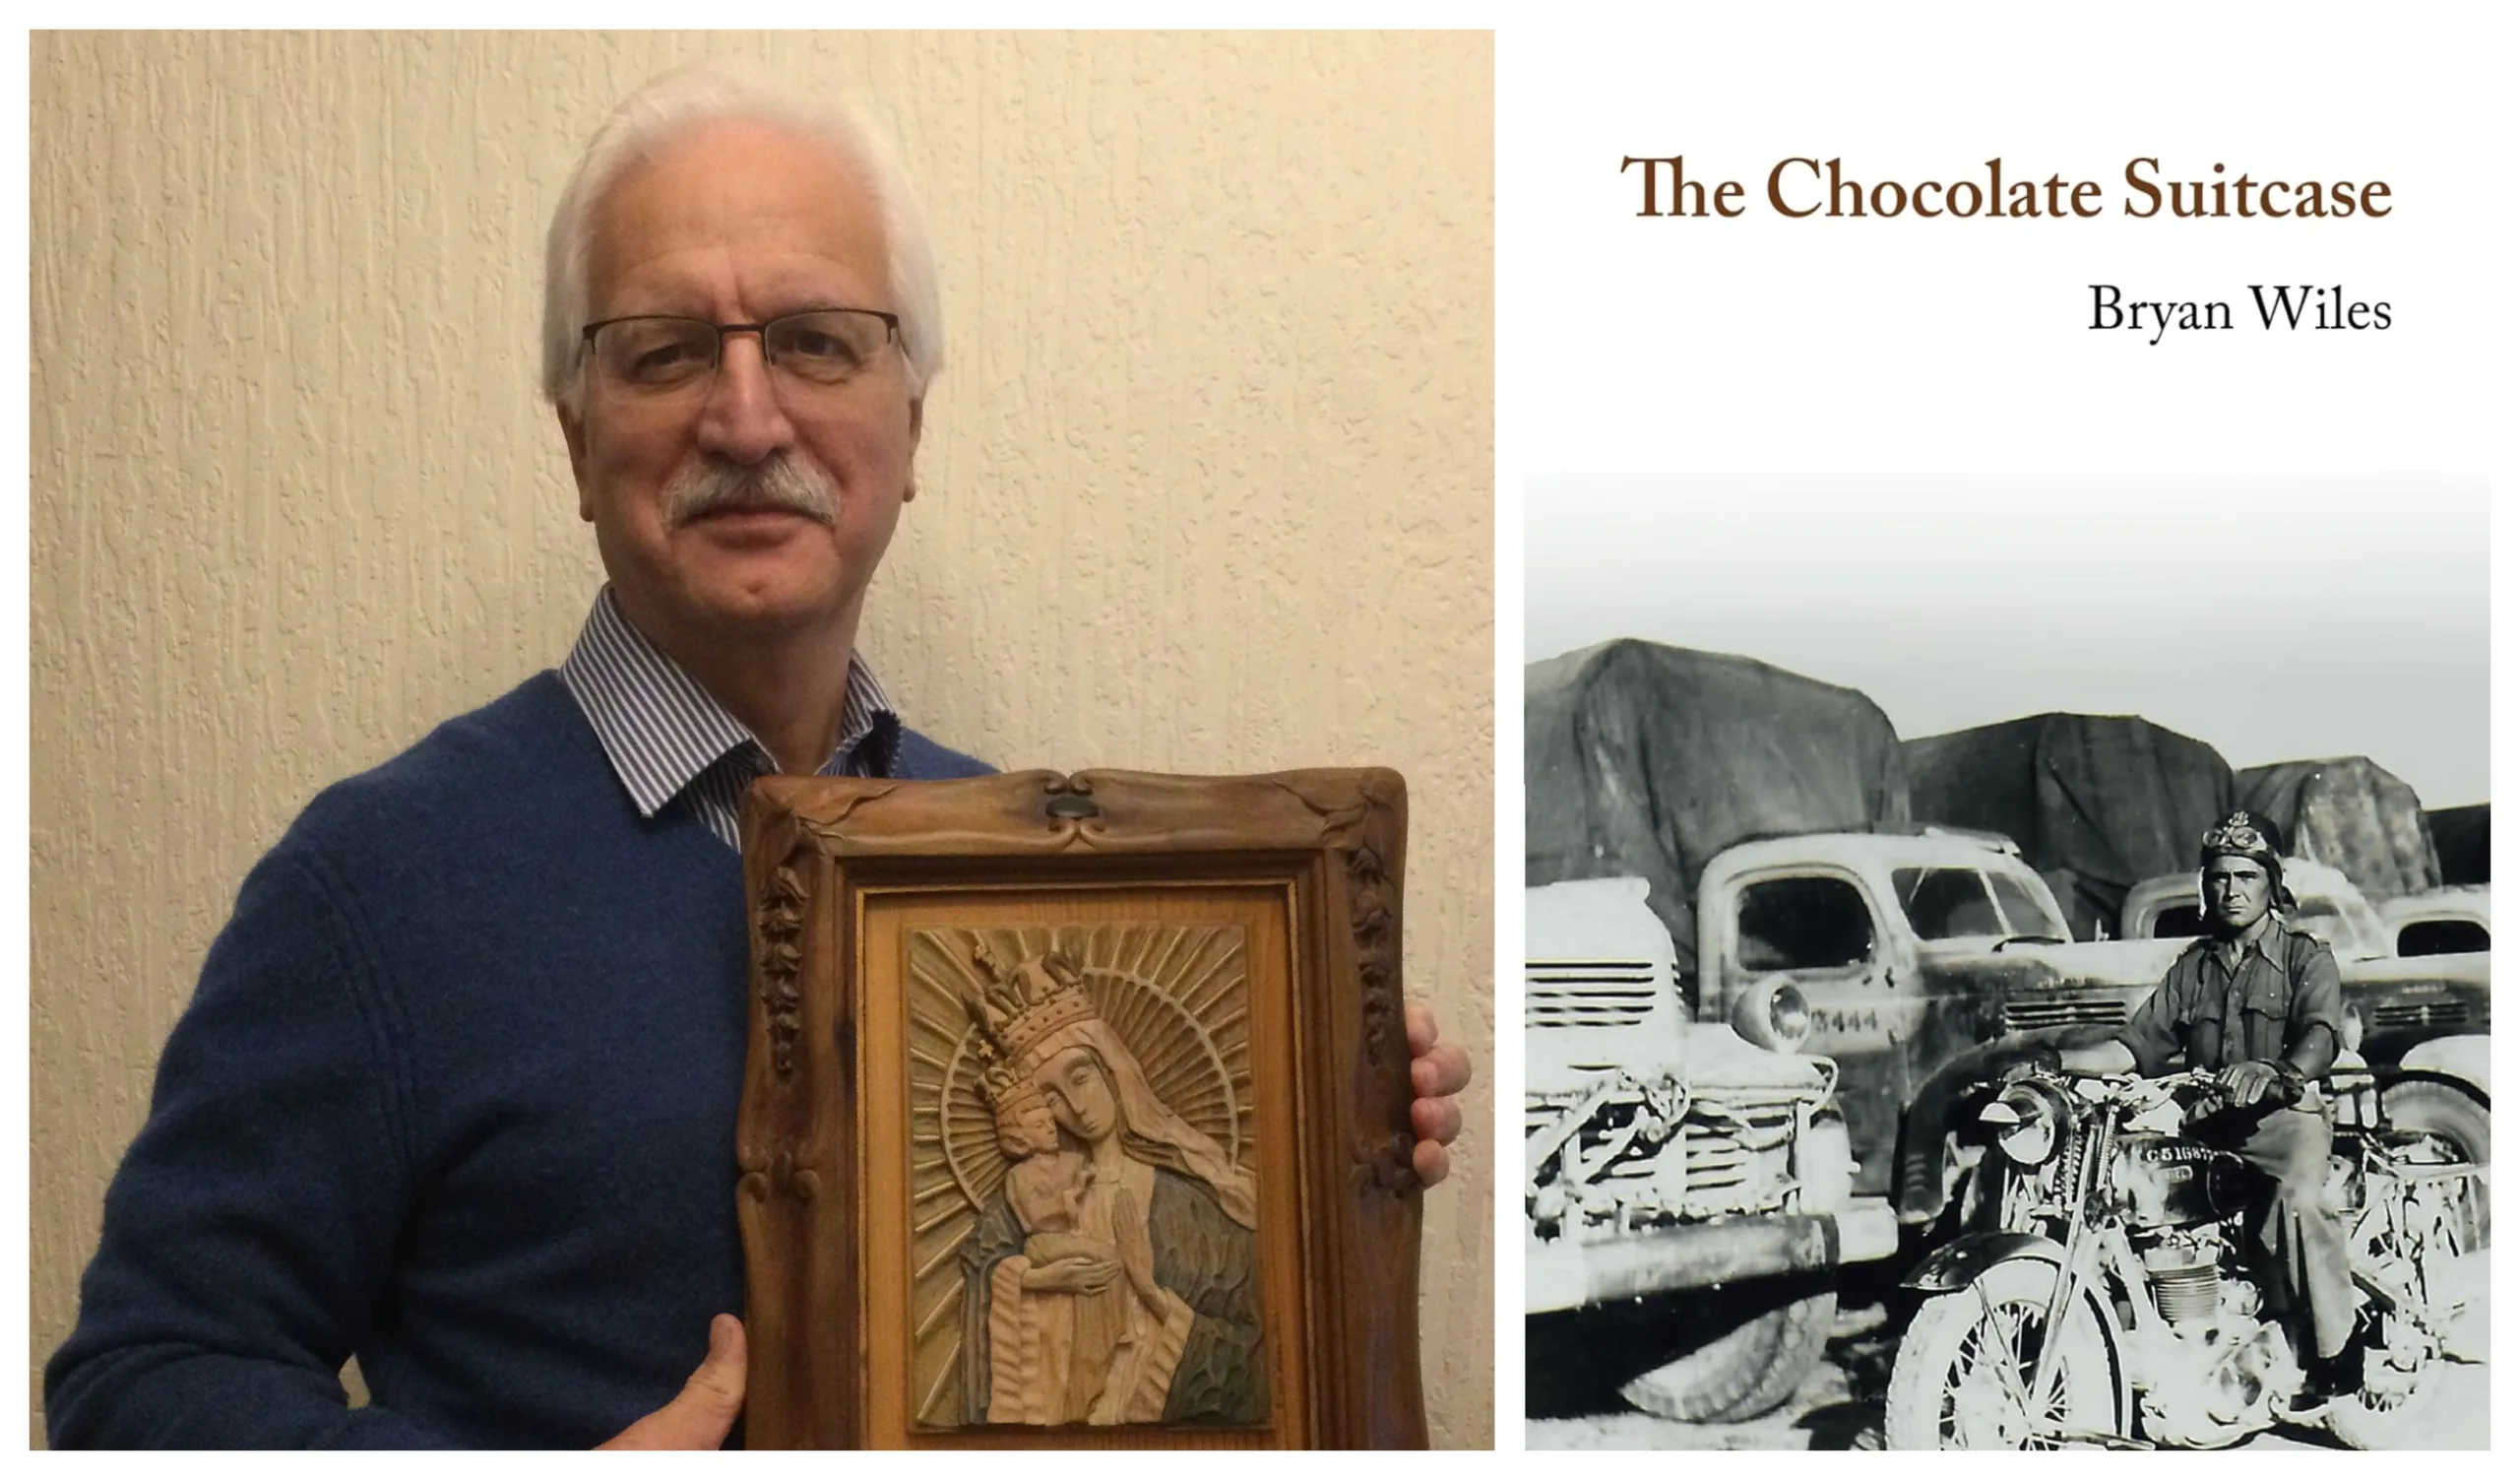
(2257, 999)
(456, 1091)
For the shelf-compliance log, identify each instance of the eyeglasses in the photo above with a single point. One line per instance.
(661, 355)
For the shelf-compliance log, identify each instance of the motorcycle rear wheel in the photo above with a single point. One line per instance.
(1947, 1387)
(2459, 1127)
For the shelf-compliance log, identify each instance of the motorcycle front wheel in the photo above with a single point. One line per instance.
(1962, 1374)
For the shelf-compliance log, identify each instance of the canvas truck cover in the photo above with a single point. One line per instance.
(1649, 760)
(2462, 839)
(2096, 801)
(2352, 815)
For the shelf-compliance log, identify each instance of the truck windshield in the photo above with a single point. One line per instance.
(2346, 922)
(1946, 904)
(2026, 909)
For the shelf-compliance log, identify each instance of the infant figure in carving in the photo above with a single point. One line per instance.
(1110, 1277)
(1074, 1227)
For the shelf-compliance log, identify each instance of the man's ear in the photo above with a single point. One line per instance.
(918, 418)
(574, 431)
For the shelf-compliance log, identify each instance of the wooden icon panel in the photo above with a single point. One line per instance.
(1077, 1114)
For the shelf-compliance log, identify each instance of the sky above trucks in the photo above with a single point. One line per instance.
(2274, 621)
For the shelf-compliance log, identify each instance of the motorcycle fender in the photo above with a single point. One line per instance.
(1957, 1264)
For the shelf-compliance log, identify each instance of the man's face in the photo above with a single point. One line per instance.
(742, 222)
(2238, 893)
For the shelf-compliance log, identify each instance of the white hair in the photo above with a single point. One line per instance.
(671, 108)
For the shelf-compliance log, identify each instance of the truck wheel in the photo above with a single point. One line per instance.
(2445, 1111)
(1755, 1363)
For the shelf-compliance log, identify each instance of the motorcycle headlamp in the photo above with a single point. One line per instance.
(2025, 1123)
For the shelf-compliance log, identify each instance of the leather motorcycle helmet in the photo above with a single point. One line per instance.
(2245, 834)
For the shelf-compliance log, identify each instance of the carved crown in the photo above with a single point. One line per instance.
(1008, 1093)
(1017, 1007)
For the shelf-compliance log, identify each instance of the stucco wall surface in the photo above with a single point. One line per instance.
(1206, 486)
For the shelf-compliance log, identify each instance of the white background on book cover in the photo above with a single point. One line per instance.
(1781, 381)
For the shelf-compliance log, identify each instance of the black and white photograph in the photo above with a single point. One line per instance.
(2007, 962)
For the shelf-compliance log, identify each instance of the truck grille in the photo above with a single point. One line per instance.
(1624, 1167)
(2447, 1012)
(1738, 1148)
(2022, 1016)
(1587, 994)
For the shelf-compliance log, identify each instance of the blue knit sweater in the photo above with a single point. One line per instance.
(457, 1093)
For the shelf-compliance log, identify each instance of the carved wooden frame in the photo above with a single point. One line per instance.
(817, 851)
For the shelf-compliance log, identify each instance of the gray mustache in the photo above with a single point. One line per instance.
(779, 483)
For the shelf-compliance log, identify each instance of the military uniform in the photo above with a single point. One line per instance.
(2224, 1003)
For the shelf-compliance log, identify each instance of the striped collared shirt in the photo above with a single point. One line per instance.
(667, 737)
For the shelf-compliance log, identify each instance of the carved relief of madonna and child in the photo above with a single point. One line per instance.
(1085, 1206)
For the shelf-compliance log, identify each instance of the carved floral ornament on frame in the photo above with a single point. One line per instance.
(1083, 1216)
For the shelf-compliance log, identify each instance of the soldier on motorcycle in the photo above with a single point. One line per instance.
(2257, 1002)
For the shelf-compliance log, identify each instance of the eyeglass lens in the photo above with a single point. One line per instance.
(823, 347)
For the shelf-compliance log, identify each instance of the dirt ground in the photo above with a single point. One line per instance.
(1839, 1406)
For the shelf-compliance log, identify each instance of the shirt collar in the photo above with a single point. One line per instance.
(2266, 943)
(659, 729)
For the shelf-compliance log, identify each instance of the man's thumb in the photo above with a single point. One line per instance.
(699, 1415)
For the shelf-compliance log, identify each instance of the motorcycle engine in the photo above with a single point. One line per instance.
(2223, 1368)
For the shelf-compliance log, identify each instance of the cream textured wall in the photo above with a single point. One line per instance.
(1206, 486)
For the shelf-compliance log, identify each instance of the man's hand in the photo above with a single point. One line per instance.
(699, 1415)
(1436, 1074)
(2246, 1084)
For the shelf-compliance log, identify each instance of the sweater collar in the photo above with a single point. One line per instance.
(660, 729)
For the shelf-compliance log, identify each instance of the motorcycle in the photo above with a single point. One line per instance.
(2110, 1303)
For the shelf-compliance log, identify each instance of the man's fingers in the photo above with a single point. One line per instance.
(699, 1415)
(1433, 1162)
(1442, 1070)
(1437, 1121)
(1421, 1027)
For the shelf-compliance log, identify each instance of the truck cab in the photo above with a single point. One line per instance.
(2448, 922)
(1892, 953)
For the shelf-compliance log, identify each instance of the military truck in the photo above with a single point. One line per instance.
(1686, 1193)
(1893, 952)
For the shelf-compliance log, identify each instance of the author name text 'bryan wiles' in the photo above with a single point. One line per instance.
(2273, 305)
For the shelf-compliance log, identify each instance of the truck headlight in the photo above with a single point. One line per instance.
(2024, 1121)
(1774, 1015)
(2351, 1040)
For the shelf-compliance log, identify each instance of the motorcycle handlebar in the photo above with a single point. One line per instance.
(2136, 1087)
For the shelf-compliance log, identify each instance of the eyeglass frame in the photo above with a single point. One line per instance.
(892, 332)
